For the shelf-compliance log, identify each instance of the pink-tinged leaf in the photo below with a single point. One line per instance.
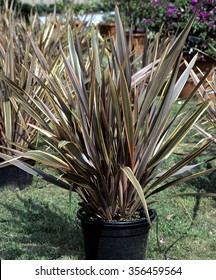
(130, 175)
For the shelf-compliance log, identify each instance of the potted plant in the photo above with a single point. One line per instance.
(15, 131)
(16, 62)
(107, 25)
(132, 16)
(109, 132)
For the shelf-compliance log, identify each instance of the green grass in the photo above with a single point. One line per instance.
(191, 223)
(39, 223)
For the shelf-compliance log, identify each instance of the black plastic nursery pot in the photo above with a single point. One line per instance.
(111, 240)
(14, 177)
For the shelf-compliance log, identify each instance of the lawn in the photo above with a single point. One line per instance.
(39, 223)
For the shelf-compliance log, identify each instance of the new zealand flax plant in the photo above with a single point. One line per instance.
(14, 53)
(17, 56)
(107, 130)
(15, 132)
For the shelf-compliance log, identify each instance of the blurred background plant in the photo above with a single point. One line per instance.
(140, 15)
(173, 15)
(18, 63)
(93, 6)
(5, 4)
(14, 52)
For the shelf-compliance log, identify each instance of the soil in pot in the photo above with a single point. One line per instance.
(111, 240)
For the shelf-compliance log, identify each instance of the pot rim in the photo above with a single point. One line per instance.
(81, 214)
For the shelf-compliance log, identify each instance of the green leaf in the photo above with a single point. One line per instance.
(39, 54)
(74, 150)
(178, 134)
(76, 84)
(33, 170)
(178, 168)
(8, 120)
(179, 181)
(73, 55)
(122, 46)
(127, 110)
(130, 175)
(97, 67)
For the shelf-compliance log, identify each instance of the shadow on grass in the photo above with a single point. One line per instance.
(40, 232)
(204, 184)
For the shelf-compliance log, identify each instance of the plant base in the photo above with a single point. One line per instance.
(110, 240)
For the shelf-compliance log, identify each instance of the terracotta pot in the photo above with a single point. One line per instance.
(204, 66)
(80, 23)
(137, 41)
(212, 81)
(186, 91)
(107, 28)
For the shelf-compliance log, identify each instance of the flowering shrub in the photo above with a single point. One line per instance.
(173, 15)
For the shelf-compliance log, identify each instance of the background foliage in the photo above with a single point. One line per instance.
(173, 15)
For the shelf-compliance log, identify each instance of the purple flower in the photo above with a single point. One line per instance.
(170, 9)
(202, 58)
(156, 2)
(210, 23)
(177, 14)
(147, 20)
(193, 8)
(194, 4)
(203, 16)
